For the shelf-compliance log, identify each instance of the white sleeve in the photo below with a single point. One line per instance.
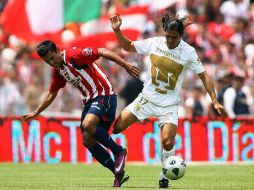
(195, 64)
(143, 46)
(246, 90)
(229, 99)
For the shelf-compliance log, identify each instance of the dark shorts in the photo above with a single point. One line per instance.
(102, 106)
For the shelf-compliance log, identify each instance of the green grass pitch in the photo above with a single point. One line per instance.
(80, 176)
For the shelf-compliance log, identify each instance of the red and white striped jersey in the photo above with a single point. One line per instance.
(83, 73)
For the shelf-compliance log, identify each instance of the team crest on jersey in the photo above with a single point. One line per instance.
(87, 51)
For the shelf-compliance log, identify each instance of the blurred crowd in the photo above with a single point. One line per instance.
(222, 32)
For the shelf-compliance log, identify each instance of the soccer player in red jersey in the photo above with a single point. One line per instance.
(77, 66)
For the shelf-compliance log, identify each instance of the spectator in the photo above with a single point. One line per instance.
(234, 9)
(32, 94)
(235, 99)
(11, 102)
(195, 103)
(131, 90)
(3, 94)
(222, 83)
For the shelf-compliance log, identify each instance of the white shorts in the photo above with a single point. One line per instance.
(142, 109)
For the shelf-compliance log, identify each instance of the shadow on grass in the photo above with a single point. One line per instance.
(141, 187)
(124, 187)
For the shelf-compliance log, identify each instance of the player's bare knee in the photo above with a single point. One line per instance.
(168, 144)
(88, 125)
(116, 128)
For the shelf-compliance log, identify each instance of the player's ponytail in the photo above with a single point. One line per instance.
(175, 23)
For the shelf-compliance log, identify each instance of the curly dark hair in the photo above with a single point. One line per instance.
(175, 23)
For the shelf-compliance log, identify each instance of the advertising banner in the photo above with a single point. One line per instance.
(54, 140)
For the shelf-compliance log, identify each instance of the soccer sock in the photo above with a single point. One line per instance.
(165, 155)
(102, 156)
(162, 176)
(103, 137)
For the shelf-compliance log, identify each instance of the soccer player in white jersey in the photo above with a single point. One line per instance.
(170, 58)
(77, 66)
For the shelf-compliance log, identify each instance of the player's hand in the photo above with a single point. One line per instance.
(133, 70)
(29, 116)
(116, 22)
(220, 109)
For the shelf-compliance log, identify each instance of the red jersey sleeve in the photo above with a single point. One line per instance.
(82, 56)
(57, 81)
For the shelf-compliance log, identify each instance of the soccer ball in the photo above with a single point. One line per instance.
(174, 167)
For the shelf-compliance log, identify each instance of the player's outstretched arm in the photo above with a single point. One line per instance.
(131, 69)
(47, 100)
(210, 89)
(126, 43)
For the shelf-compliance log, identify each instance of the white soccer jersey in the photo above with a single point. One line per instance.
(167, 69)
